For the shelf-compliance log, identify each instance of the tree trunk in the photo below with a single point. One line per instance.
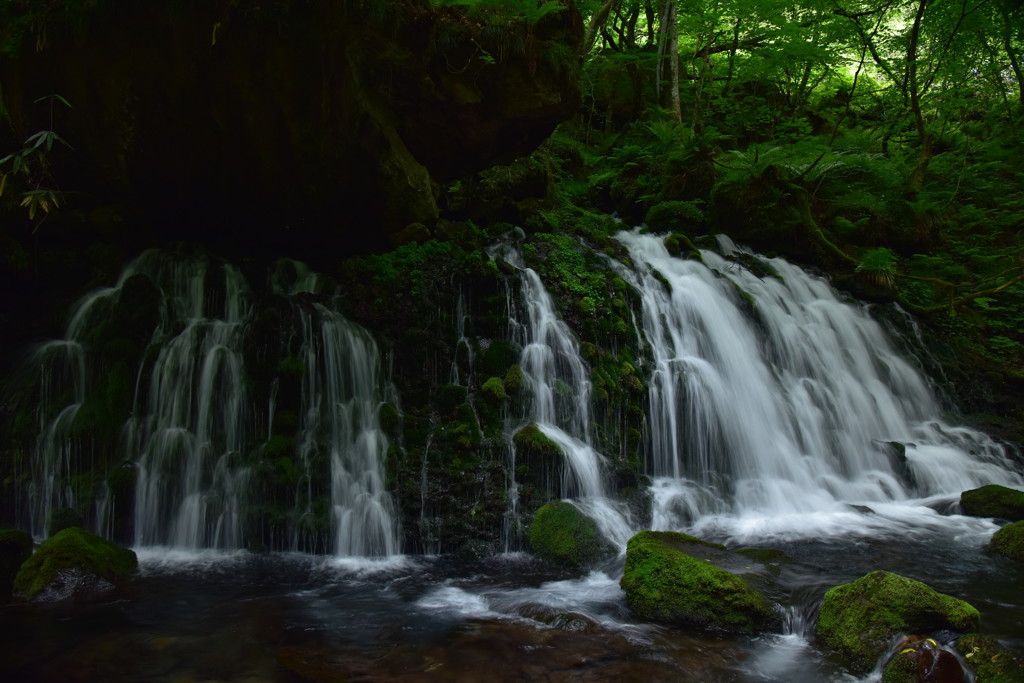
(924, 137)
(673, 62)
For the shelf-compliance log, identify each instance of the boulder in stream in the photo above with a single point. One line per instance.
(74, 564)
(665, 582)
(993, 501)
(1009, 541)
(859, 619)
(562, 534)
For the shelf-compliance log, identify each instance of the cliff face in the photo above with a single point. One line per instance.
(303, 126)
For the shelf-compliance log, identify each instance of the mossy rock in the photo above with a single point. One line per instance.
(990, 661)
(664, 583)
(15, 548)
(74, 563)
(531, 440)
(560, 533)
(1009, 541)
(993, 501)
(514, 380)
(493, 391)
(859, 619)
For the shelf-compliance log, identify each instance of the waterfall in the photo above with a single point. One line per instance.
(560, 392)
(774, 406)
(191, 428)
(341, 394)
(195, 431)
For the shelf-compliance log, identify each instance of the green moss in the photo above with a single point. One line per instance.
(663, 583)
(493, 390)
(859, 619)
(531, 440)
(901, 669)
(73, 548)
(1009, 541)
(993, 501)
(990, 661)
(514, 380)
(562, 534)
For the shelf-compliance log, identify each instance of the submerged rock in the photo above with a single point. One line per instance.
(993, 501)
(74, 564)
(562, 534)
(1009, 541)
(859, 619)
(664, 583)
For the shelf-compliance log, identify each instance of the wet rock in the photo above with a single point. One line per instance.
(562, 534)
(664, 583)
(859, 619)
(74, 564)
(993, 501)
(923, 660)
(1009, 541)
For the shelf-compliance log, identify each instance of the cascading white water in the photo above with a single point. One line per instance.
(192, 433)
(559, 382)
(192, 426)
(341, 395)
(772, 403)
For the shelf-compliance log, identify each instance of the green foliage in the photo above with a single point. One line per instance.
(29, 167)
(531, 11)
(879, 266)
(859, 619)
(675, 216)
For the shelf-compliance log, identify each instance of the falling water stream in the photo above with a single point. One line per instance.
(779, 416)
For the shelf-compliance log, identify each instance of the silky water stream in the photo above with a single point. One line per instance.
(773, 408)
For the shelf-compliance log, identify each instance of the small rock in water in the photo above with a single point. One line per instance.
(923, 660)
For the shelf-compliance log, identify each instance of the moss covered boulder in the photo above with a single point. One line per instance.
(560, 533)
(1009, 541)
(74, 564)
(665, 583)
(859, 619)
(15, 548)
(990, 661)
(993, 501)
